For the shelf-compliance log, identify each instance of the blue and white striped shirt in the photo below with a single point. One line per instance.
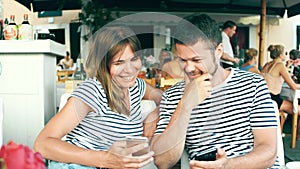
(226, 118)
(100, 128)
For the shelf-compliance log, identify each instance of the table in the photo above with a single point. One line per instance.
(292, 95)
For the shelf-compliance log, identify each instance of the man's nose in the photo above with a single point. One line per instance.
(190, 66)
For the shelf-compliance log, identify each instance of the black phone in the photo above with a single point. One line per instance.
(208, 156)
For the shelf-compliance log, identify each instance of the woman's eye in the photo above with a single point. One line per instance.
(118, 63)
(135, 58)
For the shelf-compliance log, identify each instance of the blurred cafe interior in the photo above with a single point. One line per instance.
(33, 87)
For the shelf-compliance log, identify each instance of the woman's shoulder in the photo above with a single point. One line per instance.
(278, 67)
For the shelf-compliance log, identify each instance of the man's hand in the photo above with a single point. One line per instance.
(236, 60)
(196, 91)
(220, 163)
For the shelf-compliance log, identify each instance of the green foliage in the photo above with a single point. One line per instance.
(94, 15)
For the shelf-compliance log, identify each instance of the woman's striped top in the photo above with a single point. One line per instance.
(100, 128)
(226, 118)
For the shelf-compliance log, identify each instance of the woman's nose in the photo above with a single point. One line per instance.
(129, 67)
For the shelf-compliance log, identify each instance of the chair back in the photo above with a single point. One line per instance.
(166, 83)
(280, 149)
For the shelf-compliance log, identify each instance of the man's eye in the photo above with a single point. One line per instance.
(197, 60)
(181, 60)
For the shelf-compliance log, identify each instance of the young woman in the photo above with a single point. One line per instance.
(250, 61)
(103, 110)
(275, 73)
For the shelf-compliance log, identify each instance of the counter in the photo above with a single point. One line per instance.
(28, 87)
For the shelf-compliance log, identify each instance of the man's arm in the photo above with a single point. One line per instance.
(264, 151)
(262, 156)
(226, 57)
(169, 145)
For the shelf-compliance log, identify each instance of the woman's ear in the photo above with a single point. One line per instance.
(219, 50)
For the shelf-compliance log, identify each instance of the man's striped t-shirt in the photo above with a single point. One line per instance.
(226, 118)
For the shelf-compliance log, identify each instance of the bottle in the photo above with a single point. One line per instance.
(1, 29)
(25, 29)
(11, 30)
(4, 28)
(79, 73)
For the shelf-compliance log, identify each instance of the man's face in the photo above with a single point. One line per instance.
(231, 31)
(196, 60)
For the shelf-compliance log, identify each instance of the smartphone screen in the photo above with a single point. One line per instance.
(133, 140)
(207, 156)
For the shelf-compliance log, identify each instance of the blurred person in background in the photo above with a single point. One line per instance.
(164, 57)
(228, 59)
(293, 65)
(275, 73)
(250, 61)
(67, 62)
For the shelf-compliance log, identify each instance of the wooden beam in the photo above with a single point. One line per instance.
(262, 33)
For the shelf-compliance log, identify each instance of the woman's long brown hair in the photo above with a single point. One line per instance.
(108, 42)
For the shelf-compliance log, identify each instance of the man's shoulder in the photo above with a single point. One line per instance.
(242, 74)
(176, 88)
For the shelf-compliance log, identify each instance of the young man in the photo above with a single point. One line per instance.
(228, 59)
(214, 108)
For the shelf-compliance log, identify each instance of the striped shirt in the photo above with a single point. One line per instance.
(101, 127)
(226, 118)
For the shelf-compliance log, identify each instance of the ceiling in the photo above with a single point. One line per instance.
(274, 7)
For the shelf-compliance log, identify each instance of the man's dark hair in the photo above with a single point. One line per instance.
(67, 53)
(198, 27)
(228, 24)
(294, 54)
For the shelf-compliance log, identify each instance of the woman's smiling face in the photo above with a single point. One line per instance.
(125, 67)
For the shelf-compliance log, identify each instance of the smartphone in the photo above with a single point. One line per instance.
(207, 156)
(134, 140)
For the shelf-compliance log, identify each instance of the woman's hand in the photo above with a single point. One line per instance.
(220, 163)
(119, 156)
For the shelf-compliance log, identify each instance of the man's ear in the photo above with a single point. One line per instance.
(219, 50)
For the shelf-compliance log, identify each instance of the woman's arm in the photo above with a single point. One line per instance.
(283, 71)
(50, 145)
(152, 93)
(49, 142)
(151, 120)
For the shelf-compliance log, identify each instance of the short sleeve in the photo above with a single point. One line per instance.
(92, 93)
(262, 113)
